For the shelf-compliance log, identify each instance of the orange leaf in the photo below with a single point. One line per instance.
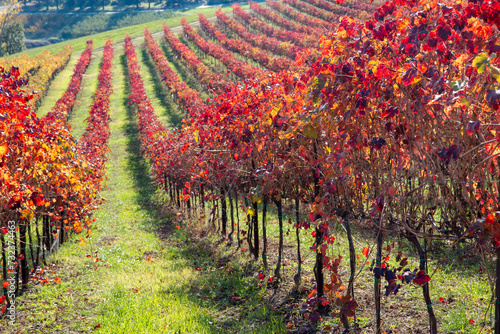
(365, 251)
(3, 150)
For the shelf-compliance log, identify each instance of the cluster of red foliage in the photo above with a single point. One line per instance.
(238, 67)
(45, 173)
(245, 49)
(55, 173)
(206, 76)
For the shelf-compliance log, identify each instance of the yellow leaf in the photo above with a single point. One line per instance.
(250, 212)
(403, 23)
(275, 110)
(3, 150)
(27, 213)
(342, 34)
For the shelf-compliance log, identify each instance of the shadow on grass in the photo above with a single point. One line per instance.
(181, 70)
(136, 163)
(174, 116)
(228, 285)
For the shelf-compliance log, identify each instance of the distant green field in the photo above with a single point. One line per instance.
(118, 35)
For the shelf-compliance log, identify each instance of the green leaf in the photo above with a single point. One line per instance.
(480, 62)
(310, 131)
(457, 85)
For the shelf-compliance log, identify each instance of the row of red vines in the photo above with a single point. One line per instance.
(47, 175)
(238, 67)
(152, 133)
(299, 39)
(340, 10)
(185, 95)
(93, 144)
(306, 20)
(165, 150)
(64, 105)
(245, 49)
(263, 42)
(207, 77)
(313, 11)
(358, 5)
(283, 22)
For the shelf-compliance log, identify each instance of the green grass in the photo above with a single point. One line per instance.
(118, 35)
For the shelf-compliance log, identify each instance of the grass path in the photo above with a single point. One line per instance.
(165, 110)
(58, 87)
(84, 98)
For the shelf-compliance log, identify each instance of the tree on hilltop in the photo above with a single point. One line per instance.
(11, 31)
